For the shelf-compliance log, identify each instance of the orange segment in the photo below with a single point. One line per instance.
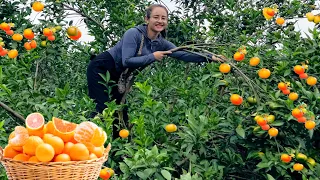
(64, 129)
(21, 136)
(99, 137)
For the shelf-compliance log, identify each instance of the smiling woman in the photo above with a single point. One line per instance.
(139, 47)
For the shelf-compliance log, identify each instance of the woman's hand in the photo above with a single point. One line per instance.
(159, 55)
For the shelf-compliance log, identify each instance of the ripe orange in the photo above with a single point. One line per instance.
(45, 152)
(286, 91)
(310, 124)
(33, 159)
(238, 56)
(9, 152)
(67, 147)
(72, 31)
(264, 73)
(33, 44)
(98, 151)
(297, 113)
(282, 86)
(303, 76)
(171, 128)
(298, 167)
(56, 142)
(298, 69)
(21, 157)
(4, 26)
(64, 129)
(28, 34)
(224, 68)
(31, 145)
(62, 158)
(236, 99)
(13, 53)
(273, 132)
(92, 156)
(265, 127)
(20, 136)
(89, 133)
(310, 16)
(104, 174)
(316, 19)
(47, 32)
(10, 32)
(254, 61)
(3, 52)
(37, 6)
(17, 37)
(265, 14)
(293, 96)
(302, 119)
(35, 121)
(261, 121)
(285, 158)
(27, 45)
(79, 152)
(76, 37)
(271, 12)
(51, 38)
(311, 81)
(280, 21)
(124, 133)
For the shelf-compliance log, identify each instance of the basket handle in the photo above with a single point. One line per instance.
(1, 153)
(106, 151)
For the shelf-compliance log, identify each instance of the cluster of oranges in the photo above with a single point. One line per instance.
(313, 18)
(263, 121)
(299, 158)
(270, 12)
(286, 91)
(304, 116)
(300, 70)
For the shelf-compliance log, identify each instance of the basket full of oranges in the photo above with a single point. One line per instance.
(54, 150)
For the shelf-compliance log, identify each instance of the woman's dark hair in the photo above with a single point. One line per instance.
(148, 14)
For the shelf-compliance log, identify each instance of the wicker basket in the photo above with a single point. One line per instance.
(77, 170)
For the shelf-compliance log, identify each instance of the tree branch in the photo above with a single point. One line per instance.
(12, 111)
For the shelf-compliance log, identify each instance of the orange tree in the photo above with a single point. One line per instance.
(224, 124)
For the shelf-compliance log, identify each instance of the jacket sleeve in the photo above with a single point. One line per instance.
(131, 42)
(185, 56)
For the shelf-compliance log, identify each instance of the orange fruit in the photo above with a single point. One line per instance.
(13, 53)
(56, 142)
(17, 37)
(9, 152)
(236, 99)
(238, 56)
(62, 158)
(49, 128)
(302, 119)
(171, 128)
(273, 132)
(265, 14)
(293, 96)
(27, 45)
(1, 48)
(298, 69)
(33, 44)
(270, 118)
(310, 124)
(67, 147)
(10, 32)
(303, 76)
(47, 136)
(264, 73)
(104, 174)
(79, 152)
(64, 129)
(280, 21)
(261, 121)
(47, 32)
(224, 68)
(271, 12)
(282, 86)
(31, 145)
(254, 61)
(124, 133)
(76, 37)
(33, 159)
(51, 38)
(3, 52)
(286, 91)
(265, 127)
(92, 156)
(89, 133)
(297, 113)
(35, 121)
(20, 136)
(21, 157)
(298, 167)
(45, 152)
(311, 81)
(310, 16)
(98, 151)
(4, 26)
(37, 6)
(285, 158)
(28, 34)
(72, 31)
(316, 19)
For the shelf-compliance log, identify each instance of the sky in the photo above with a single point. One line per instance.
(302, 25)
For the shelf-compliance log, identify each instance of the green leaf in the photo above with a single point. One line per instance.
(277, 123)
(270, 177)
(240, 131)
(205, 77)
(166, 174)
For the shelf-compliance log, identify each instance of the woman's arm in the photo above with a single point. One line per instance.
(186, 56)
(130, 44)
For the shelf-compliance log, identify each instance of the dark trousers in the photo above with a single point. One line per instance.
(102, 64)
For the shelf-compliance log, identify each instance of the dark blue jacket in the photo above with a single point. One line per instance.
(125, 51)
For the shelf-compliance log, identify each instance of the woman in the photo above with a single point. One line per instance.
(139, 47)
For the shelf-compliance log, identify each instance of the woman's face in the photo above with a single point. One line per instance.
(158, 20)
